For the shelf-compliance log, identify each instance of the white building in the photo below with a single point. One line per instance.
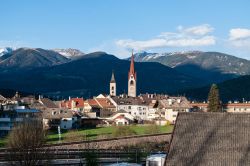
(121, 117)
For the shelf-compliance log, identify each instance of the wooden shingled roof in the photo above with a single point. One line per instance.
(209, 139)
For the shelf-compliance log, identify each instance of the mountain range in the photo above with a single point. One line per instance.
(90, 75)
(69, 72)
(211, 67)
(26, 58)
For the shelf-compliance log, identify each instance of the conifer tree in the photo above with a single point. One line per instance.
(214, 104)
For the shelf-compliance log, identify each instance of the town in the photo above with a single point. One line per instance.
(124, 83)
(104, 110)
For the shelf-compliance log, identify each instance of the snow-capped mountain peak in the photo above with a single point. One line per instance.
(69, 53)
(5, 50)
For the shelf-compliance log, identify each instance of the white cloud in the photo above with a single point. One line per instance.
(240, 38)
(159, 43)
(197, 30)
(185, 37)
(239, 34)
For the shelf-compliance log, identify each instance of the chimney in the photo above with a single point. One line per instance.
(179, 100)
(170, 101)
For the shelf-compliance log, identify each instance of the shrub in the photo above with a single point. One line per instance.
(25, 143)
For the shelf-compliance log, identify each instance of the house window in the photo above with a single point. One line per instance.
(129, 107)
(112, 88)
(131, 82)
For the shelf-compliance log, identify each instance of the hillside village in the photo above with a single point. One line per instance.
(104, 109)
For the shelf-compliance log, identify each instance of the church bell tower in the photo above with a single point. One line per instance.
(132, 78)
(112, 85)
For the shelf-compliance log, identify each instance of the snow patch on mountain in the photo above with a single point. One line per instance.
(69, 53)
(5, 50)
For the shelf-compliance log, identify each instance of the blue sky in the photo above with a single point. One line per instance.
(117, 26)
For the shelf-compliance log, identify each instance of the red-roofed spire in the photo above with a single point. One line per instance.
(132, 67)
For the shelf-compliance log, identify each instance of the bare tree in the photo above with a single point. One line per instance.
(25, 143)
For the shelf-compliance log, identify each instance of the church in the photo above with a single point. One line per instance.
(131, 80)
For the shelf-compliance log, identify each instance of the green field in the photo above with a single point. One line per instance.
(95, 133)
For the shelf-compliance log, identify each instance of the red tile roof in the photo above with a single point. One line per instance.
(104, 103)
(92, 102)
(79, 103)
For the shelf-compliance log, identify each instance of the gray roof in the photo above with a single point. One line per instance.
(48, 103)
(57, 113)
(210, 139)
(175, 102)
(112, 78)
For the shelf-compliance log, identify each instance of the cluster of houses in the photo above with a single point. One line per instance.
(100, 110)
(103, 109)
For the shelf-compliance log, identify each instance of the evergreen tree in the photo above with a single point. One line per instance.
(214, 104)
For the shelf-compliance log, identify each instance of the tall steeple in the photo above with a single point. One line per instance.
(112, 77)
(132, 66)
(112, 85)
(132, 78)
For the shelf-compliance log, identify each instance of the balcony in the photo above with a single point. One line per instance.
(4, 119)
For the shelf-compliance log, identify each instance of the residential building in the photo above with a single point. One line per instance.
(10, 115)
(227, 107)
(92, 108)
(75, 104)
(169, 108)
(121, 117)
(54, 116)
(135, 106)
(107, 108)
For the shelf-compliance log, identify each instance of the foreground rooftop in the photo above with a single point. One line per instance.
(210, 139)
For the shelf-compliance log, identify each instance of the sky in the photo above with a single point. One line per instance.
(118, 26)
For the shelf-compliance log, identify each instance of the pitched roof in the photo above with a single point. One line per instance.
(79, 103)
(175, 102)
(92, 103)
(112, 78)
(48, 103)
(57, 113)
(128, 100)
(210, 139)
(104, 103)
